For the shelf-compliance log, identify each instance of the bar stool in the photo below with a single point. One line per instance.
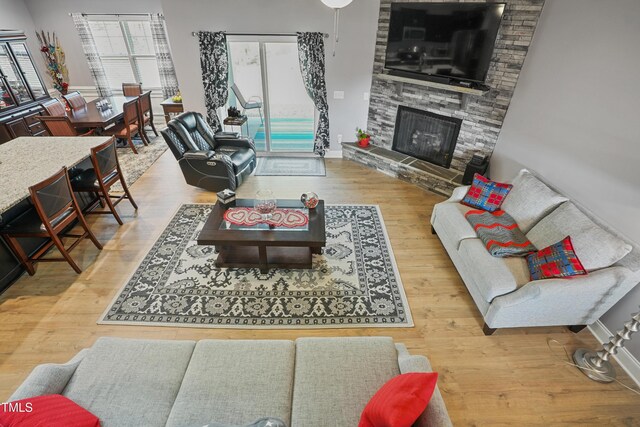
(106, 172)
(55, 208)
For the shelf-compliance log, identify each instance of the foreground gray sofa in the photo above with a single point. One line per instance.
(501, 287)
(309, 382)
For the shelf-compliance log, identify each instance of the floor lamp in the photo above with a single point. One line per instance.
(596, 364)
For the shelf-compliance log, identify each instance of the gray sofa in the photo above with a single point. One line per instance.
(501, 287)
(309, 382)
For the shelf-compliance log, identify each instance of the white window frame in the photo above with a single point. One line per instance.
(130, 55)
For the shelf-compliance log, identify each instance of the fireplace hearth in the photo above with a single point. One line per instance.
(425, 135)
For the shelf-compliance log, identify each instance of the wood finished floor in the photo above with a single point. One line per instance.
(510, 378)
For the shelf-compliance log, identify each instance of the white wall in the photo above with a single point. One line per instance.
(54, 16)
(349, 71)
(575, 119)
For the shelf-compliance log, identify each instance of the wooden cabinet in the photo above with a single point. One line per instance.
(21, 89)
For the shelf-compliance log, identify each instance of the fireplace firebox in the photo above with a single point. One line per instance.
(426, 135)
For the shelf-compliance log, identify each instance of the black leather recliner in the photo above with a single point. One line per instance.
(212, 161)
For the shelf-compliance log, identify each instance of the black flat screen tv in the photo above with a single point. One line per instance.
(452, 41)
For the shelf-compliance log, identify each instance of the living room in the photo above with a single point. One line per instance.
(388, 276)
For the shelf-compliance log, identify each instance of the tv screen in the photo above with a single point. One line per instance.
(452, 40)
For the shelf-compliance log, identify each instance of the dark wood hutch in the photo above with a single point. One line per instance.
(21, 89)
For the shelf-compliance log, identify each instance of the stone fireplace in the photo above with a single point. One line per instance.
(420, 158)
(426, 136)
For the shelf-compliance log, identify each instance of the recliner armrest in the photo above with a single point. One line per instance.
(241, 142)
(199, 155)
(227, 135)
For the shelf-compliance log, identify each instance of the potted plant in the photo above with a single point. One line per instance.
(363, 138)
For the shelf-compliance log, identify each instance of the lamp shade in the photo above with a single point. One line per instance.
(337, 4)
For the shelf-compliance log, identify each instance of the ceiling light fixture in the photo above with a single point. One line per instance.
(336, 5)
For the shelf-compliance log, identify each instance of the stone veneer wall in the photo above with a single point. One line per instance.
(482, 115)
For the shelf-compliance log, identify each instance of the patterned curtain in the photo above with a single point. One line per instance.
(91, 52)
(214, 63)
(168, 77)
(311, 55)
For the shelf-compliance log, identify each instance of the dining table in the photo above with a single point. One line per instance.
(91, 116)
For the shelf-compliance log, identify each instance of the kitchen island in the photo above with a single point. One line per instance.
(25, 161)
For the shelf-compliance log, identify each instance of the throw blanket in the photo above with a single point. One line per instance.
(499, 233)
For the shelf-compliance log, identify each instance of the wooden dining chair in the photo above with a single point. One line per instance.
(131, 89)
(130, 125)
(54, 107)
(61, 126)
(106, 172)
(54, 209)
(75, 100)
(146, 113)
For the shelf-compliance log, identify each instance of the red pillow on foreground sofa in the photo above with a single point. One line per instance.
(400, 401)
(52, 410)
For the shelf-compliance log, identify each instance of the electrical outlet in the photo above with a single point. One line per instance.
(366, 96)
(339, 138)
(338, 94)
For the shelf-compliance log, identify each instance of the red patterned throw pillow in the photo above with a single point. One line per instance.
(53, 410)
(557, 260)
(400, 401)
(486, 194)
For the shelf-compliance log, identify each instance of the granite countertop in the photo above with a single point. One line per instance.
(25, 161)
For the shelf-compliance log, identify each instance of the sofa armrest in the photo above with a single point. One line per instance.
(436, 413)
(580, 300)
(458, 194)
(49, 378)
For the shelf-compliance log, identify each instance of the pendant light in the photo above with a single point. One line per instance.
(336, 5)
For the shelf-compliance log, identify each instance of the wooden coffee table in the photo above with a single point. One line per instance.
(261, 247)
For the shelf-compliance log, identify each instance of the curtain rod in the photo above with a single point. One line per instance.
(195, 33)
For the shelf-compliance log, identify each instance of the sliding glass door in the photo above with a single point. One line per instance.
(266, 74)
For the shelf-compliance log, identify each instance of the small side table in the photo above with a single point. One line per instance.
(169, 107)
(236, 121)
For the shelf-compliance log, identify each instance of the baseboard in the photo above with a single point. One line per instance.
(333, 154)
(625, 359)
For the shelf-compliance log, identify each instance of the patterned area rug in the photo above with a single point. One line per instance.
(290, 166)
(354, 283)
(134, 165)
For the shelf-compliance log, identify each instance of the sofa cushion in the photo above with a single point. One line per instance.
(492, 276)
(486, 194)
(557, 260)
(130, 382)
(451, 218)
(336, 377)
(596, 247)
(262, 422)
(236, 382)
(530, 200)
